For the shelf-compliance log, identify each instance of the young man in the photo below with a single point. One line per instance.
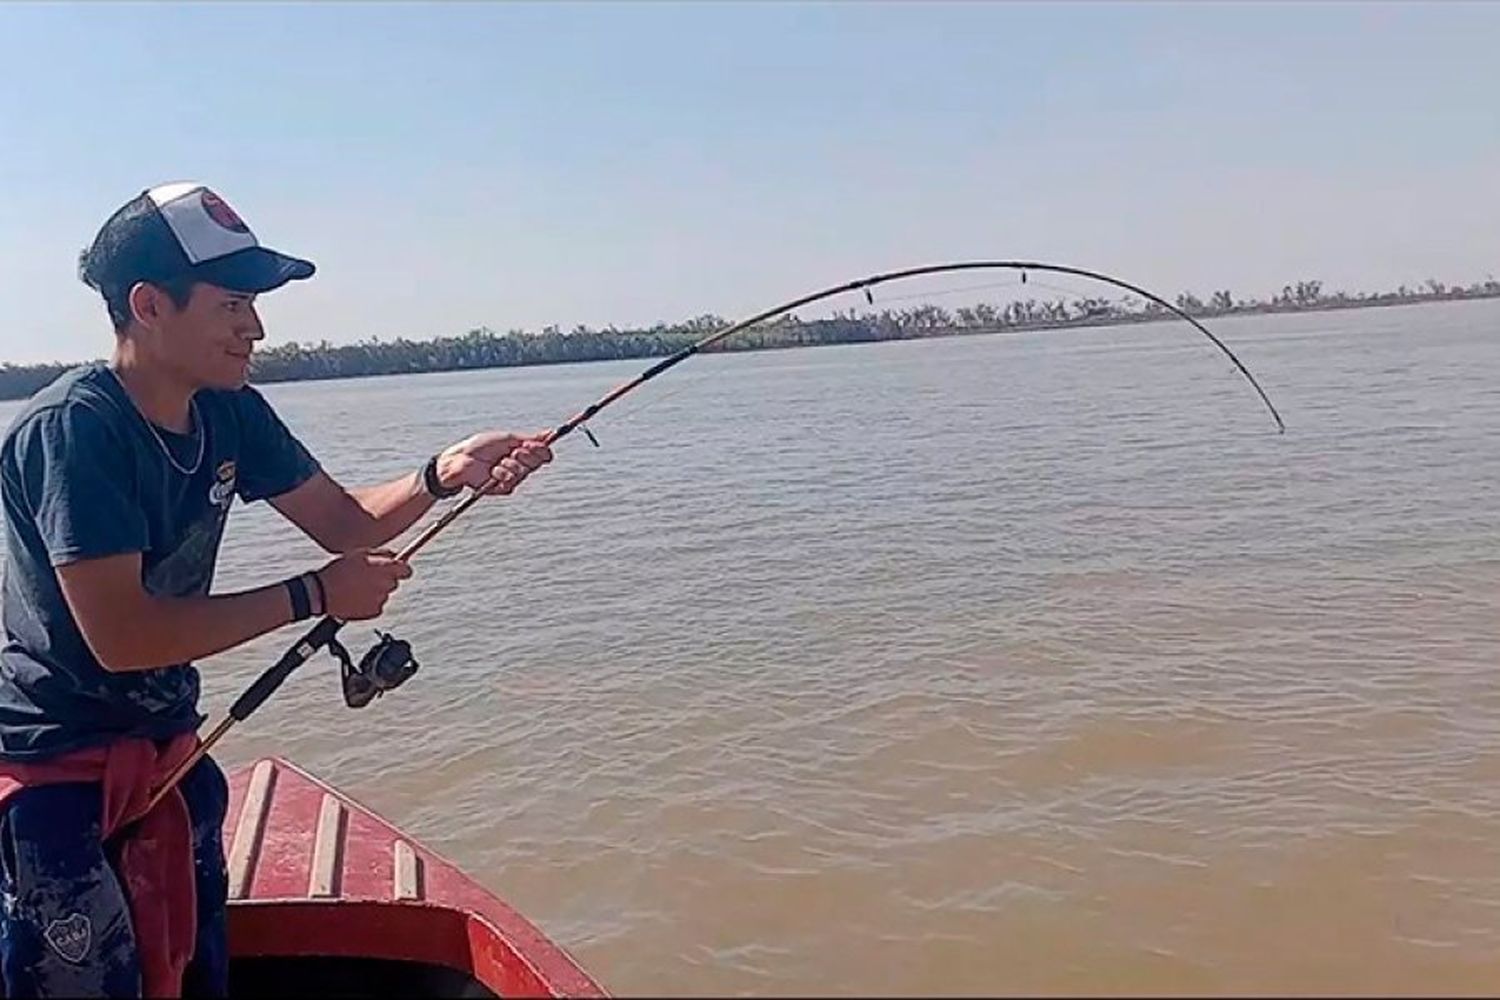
(117, 480)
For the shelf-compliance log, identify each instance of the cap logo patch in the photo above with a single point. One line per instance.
(219, 211)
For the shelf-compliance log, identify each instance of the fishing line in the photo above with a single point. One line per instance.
(1061, 290)
(390, 661)
(646, 405)
(950, 291)
(1071, 293)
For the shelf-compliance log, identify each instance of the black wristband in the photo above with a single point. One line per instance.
(434, 485)
(301, 609)
(322, 608)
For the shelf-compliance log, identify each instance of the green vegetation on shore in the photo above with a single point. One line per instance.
(484, 348)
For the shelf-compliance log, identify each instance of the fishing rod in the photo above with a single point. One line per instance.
(389, 663)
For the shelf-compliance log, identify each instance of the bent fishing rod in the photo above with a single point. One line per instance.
(390, 663)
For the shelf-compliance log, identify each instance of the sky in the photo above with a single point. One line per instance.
(514, 166)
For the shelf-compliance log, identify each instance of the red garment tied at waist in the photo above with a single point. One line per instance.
(156, 859)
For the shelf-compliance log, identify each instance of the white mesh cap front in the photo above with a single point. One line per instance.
(204, 224)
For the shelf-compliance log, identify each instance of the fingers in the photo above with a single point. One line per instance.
(395, 572)
(358, 584)
(501, 483)
(528, 455)
(510, 471)
(534, 453)
(395, 568)
(490, 444)
(496, 462)
(506, 476)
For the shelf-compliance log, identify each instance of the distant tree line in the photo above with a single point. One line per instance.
(485, 348)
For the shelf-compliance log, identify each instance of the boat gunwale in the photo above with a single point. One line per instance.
(284, 925)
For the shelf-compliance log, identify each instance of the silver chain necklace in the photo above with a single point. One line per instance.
(197, 426)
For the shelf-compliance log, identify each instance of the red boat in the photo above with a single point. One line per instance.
(328, 899)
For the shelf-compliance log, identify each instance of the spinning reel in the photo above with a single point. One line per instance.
(386, 666)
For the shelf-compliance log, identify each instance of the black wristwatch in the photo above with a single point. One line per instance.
(434, 485)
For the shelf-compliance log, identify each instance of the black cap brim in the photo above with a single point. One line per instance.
(253, 270)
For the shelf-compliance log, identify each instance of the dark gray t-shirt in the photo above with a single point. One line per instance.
(82, 476)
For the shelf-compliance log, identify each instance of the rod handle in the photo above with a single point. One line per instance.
(265, 685)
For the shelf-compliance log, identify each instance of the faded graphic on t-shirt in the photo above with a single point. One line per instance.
(85, 477)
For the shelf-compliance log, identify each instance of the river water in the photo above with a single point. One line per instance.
(1021, 663)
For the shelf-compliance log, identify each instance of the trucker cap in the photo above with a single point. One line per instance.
(183, 230)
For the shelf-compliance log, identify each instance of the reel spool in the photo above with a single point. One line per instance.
(386, 666)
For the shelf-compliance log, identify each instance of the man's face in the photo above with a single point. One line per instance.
(208, 341)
